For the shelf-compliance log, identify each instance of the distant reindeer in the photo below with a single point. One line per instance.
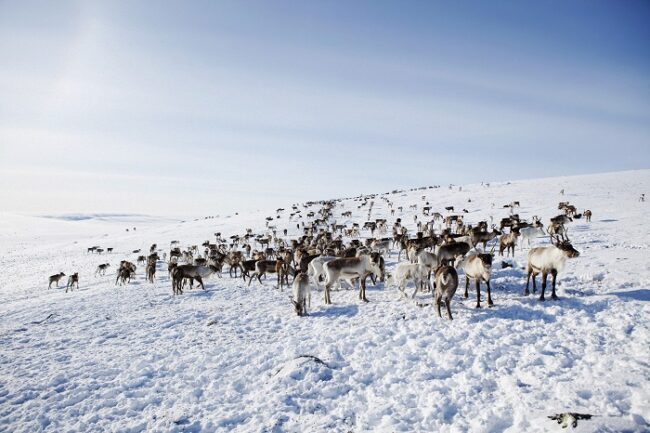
(55, 278)
(101, 269)
(150, 270)
(72, 281)
(587, 215)
(125, 272)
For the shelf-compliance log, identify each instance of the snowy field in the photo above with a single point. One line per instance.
(134, 358)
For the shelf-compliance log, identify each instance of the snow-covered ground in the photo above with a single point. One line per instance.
(134, 358)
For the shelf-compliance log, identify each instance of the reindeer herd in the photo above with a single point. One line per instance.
(329, 250)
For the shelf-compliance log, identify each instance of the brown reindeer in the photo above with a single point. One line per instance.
(72, 280)
(55, 278)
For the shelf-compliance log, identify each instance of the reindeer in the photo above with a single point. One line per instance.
(446, 283)
(233, 259)
(263, 267)
(561, 219)
(479, 268)
(301, 294)
(101, 269)
(55, 278)
(282, 273)
(381, 245)
(483, 237)
(508, 242)
(349, 267)
(125, 272)
(72, 280)
(558, 229)
(408, 271)
(247, 266)
(528, 233)
(191, 272)
(548, 260)
(316, 267)
(587, 215)
(150, 270)
(448, 253)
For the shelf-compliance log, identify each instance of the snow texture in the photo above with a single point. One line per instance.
(135, 358)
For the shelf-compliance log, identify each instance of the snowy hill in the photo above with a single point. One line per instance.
(235, 357)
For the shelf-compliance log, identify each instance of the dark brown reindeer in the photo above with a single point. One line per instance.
(478, 236)
(72, 281)
(101, 269)
(182, 272)
(446, 283)
(55, 279)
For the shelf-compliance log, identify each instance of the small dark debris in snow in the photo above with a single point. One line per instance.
(313, 358)
(212, 322)
(182, 421)
(569, 417)
(38, 322)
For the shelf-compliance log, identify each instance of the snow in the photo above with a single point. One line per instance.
(236, 358)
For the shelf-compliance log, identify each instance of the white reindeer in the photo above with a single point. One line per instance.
(301, 294)
(408, 271)
(348, 268)
(528, 233)
(548, 260)
(316, 269)
(479, 268)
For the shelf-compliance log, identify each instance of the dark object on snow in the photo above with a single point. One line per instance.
(314, 358)
(569, 417)
(506, 265)
(38, 322)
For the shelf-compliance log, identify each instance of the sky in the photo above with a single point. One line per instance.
(210, 107)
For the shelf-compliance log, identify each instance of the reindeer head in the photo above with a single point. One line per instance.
(566, 247)
(486, 259)
(297, 308)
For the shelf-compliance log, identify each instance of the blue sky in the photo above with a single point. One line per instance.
(209, 107)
